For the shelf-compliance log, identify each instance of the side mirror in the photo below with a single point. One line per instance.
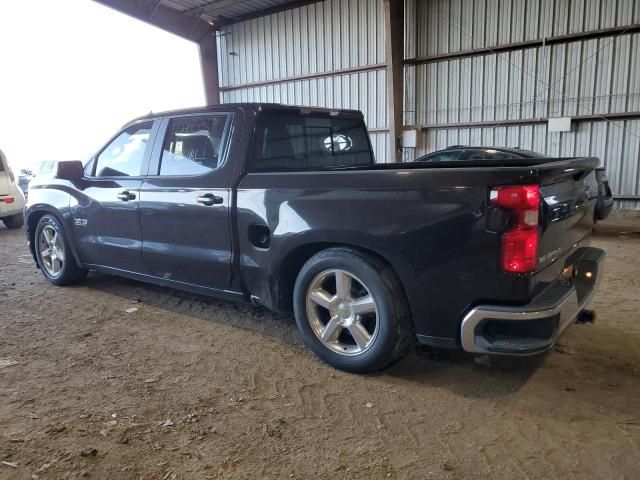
(72, 170)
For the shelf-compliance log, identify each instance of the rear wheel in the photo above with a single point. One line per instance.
(14, 221)
(54, 254)
(351, 311)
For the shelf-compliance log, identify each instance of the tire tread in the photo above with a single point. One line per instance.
(72, 272)
(405, 334)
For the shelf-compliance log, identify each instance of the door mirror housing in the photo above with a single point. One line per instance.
(72, 170)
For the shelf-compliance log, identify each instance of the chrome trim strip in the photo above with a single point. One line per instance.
(568, 308)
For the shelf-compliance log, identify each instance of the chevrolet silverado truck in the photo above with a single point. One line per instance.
(285, 207)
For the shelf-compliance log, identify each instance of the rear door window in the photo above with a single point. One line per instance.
(289, 142)
(193, 145)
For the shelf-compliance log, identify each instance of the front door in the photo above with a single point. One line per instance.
(106, 218)
(184, 203)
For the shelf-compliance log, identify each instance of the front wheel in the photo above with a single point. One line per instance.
(54, 254)
(351, 311)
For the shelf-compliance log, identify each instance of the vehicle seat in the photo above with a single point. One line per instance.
(198, 148)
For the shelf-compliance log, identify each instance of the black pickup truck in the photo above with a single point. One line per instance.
(285, 207)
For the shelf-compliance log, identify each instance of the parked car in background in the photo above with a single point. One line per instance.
(45, 167)
(285, 207)
(11, 197)
(24, 177)
(605, 196)
(456, 153)
(464, 153)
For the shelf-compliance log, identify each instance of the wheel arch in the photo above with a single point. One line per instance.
(292, 263)
(33, 217)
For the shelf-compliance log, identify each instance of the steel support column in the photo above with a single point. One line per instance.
(394, 30)
(208, 49)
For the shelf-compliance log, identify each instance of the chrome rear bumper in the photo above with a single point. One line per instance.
(534, 328)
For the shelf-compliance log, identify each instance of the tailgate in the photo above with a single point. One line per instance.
(569, 191)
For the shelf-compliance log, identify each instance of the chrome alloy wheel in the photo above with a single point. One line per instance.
(52, 251)
(342, 312)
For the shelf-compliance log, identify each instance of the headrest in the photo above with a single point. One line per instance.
(198, 148)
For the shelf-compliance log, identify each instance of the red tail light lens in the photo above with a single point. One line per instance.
(7, 200)
(520, 250)
(520, 243)
(517, 197)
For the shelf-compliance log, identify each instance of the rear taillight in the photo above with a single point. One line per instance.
(520, 242)
(12, 176)
(7, 200)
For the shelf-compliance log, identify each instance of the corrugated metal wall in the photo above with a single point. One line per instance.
(460, 25)
(580, 78)
(316, 39)
(586, 77)
(262, 60)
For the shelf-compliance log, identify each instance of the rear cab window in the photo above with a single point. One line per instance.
(300, 142)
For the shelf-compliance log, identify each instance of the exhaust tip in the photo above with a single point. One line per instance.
(586, 316)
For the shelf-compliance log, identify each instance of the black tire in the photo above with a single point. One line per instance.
(395, 332)
(70, 272)
(14, 221)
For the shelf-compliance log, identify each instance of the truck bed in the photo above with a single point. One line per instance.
(434, 225)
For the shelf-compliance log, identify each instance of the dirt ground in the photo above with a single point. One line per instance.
(188, 387)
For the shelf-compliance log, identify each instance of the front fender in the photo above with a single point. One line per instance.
(50, 199)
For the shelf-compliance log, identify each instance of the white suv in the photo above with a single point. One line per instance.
(11, 197)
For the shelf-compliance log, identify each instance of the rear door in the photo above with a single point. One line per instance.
(185, 202)
(106, 219)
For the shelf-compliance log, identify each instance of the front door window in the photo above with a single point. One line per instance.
(124, 156)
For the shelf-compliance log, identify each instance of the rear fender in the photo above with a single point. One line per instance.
(305, 245)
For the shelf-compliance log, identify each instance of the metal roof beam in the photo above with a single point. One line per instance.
(264, 12)
(209, 7)
(161, 16)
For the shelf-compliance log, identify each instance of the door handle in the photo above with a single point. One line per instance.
(126, 196)
(209, 199)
